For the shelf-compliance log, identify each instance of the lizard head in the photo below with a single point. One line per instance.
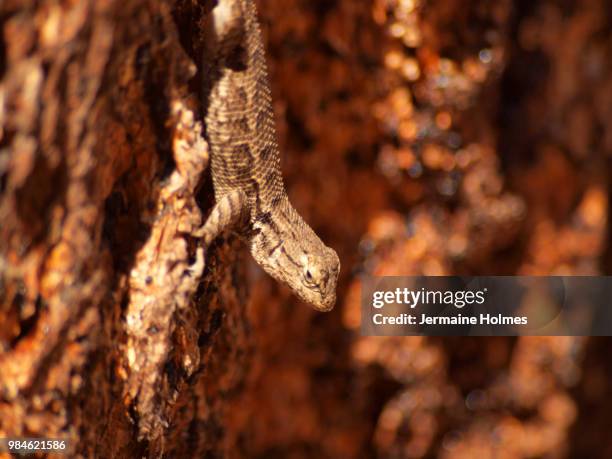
(306, 265)
(317, 281)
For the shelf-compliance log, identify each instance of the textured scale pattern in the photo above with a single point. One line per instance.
(249, 189)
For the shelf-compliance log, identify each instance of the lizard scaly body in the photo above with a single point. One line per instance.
(249, 191)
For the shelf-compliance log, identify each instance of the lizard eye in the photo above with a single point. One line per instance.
(308, 275)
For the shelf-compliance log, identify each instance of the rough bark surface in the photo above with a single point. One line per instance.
(104, 333)
(418, 137)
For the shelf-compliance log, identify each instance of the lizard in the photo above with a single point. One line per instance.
(250, 196)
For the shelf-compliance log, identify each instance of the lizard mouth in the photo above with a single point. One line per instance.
(326, 308)
(325, 305)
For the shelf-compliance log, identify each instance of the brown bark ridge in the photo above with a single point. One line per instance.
(101, 153)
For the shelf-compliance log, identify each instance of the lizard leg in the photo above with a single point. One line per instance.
(229, 212)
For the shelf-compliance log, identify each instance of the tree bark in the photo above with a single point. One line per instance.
(417, 137)
(104, 333)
